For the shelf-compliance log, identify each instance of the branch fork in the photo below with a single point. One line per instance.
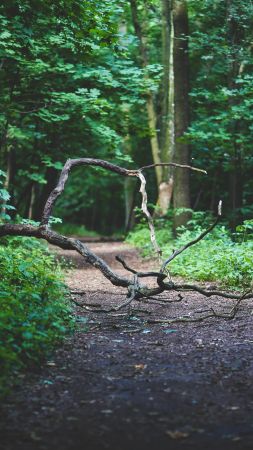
(136, 290)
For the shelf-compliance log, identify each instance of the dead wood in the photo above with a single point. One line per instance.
(135, 290)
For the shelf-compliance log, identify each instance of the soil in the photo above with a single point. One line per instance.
(122, 383)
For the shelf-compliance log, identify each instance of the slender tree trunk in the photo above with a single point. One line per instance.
(163, 149)
(235, 36)
(131, 190)
(8, 160)
(181, 195)
(167, 135)
(32, 202)
(10, 169)
(9, 152)
(150, 104)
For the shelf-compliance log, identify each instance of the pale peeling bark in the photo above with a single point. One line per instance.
(164, 196)
(155, 148)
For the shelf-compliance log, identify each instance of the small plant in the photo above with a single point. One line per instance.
(34, 312)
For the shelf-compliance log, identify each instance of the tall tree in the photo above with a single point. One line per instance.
(161, 145)
(64, 81)
(181, 194)
(235, 35)
(167, 108)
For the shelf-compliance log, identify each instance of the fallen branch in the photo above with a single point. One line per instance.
(136, 290)
(192, 287)
(213, 314)
(70, 163)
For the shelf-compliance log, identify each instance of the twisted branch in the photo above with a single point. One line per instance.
(136, 290)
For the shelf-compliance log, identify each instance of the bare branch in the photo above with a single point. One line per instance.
(192, 287)
(65, 174)
(135, 289)
(194, 241)
(124, 264)
(139, 274)
(231, 315)
(144, 208)
(181, 166)
(70, 163)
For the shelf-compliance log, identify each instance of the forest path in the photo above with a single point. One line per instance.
(120, 383)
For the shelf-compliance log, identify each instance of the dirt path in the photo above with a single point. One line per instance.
(120, 383)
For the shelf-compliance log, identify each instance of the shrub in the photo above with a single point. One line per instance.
(34, 312)
(220, 256)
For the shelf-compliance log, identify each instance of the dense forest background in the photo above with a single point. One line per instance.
(133, 82)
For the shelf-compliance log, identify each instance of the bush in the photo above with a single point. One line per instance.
(34, 312)
(220, 256)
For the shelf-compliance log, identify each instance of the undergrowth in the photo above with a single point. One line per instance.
(34, 313)
(72, 229)
(220, 256)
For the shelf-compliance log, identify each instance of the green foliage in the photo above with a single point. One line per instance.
(72, 85)
(34, 312)
(218, 257)
(66, 87)
(221, 101)
(4, 200)
(72, 229)
(246, 228)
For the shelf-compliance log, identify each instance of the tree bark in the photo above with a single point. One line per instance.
(150, 104)
(235, 36)
(130, 194)
(181, 195)
(165, 188)
(136, 290)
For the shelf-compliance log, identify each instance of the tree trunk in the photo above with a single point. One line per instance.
(181, 195)
(165, 188)
(150, 104)
(32, 201)
(10, 169)
(129, 191)
(235, 36)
